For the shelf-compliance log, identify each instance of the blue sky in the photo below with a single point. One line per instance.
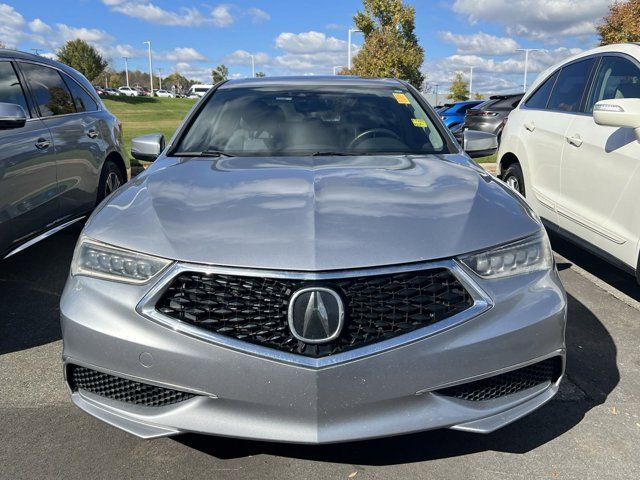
(305, 36)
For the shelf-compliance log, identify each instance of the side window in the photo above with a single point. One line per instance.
(568, 90)
(617, 77)
(541, 96)
(10, 88)
(50, 92)
(81, 99)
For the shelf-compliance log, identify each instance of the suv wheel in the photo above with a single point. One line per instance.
(110, 179)
(514, 178)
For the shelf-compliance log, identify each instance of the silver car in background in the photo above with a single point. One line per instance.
(312, 260)
(61, 152)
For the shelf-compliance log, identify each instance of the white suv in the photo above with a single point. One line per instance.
(572, 148)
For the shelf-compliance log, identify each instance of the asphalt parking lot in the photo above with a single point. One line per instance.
(590, 430)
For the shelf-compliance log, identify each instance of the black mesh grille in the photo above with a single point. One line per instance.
(255, 309)
(507, 383)
(122, 389)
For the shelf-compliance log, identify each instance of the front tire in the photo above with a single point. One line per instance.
(111, 179)
(514, 178)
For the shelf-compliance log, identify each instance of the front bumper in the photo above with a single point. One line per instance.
(246, 394)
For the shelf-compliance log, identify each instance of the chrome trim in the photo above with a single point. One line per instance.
(556, 353)
(585, 224)
(482, 303)
(41, 237)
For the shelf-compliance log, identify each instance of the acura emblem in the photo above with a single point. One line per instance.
(316, 315)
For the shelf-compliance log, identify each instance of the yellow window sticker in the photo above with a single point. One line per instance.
(401, 98)
(418, 122)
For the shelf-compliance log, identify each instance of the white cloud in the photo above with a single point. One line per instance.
(481, 43)
(309, 42)
(257, 15)
(242, 57)
(221, 16)
(537, 19)
(39, 27)
(183, 54)
(152, 13)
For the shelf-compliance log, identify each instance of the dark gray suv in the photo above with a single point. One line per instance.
(62, 150)
(491, 115)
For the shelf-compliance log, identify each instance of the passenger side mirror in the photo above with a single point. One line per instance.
(479, 144)
(147, 147)
(618, 112)
(12, 116)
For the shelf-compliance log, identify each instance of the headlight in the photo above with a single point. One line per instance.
(529, 255)
(95, 259)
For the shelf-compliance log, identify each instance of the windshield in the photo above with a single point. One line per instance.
(338, 120)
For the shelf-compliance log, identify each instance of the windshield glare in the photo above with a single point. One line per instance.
(281, 121)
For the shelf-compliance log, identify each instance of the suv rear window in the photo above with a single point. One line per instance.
(51, 94)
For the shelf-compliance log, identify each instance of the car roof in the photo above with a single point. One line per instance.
(320, 80)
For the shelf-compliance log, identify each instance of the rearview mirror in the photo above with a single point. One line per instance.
(147, 147)
(479, 144)
(12, 116)
(618, 112)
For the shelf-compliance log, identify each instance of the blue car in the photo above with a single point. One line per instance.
(454, 115)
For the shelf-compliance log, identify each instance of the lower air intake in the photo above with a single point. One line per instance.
(122, 389)
(507, 383)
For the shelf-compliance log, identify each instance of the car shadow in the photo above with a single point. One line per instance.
(31, 283)
(605, 271)
(592, 374)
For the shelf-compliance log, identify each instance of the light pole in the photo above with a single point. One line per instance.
(471, 81)
(253, 66)
(335, 69)
(150, 66)
(351, 31)
(160, 78)
(126, 69)
(526, 63)
(436, 85)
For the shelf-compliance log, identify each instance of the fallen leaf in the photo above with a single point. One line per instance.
(353, 474)
(614, 410)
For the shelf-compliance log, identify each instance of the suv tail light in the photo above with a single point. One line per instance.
(481, 113)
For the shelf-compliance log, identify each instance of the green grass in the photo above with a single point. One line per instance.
(141, 115)
(489, 159)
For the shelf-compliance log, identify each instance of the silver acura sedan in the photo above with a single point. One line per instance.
(312, 260)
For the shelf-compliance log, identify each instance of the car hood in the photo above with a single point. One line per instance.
(312, 213)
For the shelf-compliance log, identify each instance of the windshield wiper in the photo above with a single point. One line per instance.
(334, 154)
(205, 153)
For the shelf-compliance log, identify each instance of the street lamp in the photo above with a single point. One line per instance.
(253, 66)
(126, 69)
(148, 43)
(526, 62)
(160, 78)
(351, 31)
(471, 81)
(436, 85)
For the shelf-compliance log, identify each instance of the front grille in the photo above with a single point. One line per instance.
(507, 383)
(254, 309)
(122, 389)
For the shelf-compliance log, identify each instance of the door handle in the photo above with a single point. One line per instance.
(530, 126)
(576, 141)
(42, 144)
(92, 133)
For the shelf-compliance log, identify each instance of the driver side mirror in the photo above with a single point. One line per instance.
(619, 112)
(147, 147)
(479, 144)
(12, 116)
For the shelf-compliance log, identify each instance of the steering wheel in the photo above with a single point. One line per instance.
(385, 132)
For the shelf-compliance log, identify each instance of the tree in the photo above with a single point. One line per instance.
(477, 96)
(261, 74)
(621, 25)
(83, 57)
(115, 79)
(181, 82)
(220, 73)
(459, 90)
(391, 46)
